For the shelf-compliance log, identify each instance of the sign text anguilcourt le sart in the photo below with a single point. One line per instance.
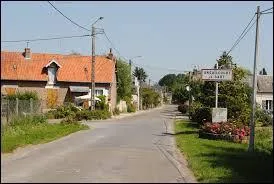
(217, 74)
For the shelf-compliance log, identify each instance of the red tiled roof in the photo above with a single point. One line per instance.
(74, 68)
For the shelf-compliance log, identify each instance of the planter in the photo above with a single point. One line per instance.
(230, 138)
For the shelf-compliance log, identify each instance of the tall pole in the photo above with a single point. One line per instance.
(252, 123)
(216, 90)
(93, 70)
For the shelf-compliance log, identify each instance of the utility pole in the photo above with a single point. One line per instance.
(92, 95)
(252, 123)
(93, 70)
(216, 90)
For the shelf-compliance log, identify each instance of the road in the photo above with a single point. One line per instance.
(132, 149)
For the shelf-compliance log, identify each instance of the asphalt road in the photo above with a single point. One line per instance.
(132, 149)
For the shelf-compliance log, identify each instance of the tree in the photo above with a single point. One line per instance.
(150, 98)
(168, 80)
(124, 86)
(180, 95)
(173, 81)
(235, 95)
(263, 72)
(140, 74)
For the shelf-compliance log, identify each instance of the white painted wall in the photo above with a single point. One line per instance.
(263, 96)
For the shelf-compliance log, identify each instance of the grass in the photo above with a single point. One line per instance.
(225, 162)
(34, 130)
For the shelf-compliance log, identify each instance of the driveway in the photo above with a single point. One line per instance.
(133, 149)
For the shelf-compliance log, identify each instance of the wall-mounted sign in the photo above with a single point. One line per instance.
(217, 74)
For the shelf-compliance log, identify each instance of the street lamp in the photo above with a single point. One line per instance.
(92, 95)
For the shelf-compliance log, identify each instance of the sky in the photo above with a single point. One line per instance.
(171, 37)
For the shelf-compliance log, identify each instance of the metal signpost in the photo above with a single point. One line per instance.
(217, 75)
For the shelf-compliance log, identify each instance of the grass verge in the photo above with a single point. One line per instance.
(220, 161)
(34, 130)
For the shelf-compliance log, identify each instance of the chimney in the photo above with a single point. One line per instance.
(27, 53)
(110, 55)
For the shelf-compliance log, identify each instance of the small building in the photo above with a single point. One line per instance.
(62, 77)
(264, 96)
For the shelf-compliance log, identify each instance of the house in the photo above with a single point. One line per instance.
(264, 96)
(56, 76)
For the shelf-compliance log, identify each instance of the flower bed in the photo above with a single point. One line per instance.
(224, 131)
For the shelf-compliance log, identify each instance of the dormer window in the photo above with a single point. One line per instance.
(52, 75)
(52, 68)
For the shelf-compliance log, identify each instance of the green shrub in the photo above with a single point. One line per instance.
(263, 117)
(201, 114)
(193, 108)
(27, 95)
(183, 108)
(92, 115)
(100, 114)
(50, 115)
(35, 119)
(69, 120)
(116, 111)
(131, 108)
(101, 105)
(63, 111)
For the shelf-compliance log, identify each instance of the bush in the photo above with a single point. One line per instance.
(69, 120)
(183, 108)
(263, 117)
(193, 108)
(36, 119)
(131, 108)
(102, 104)
(92, 115)
(100, 114)
(116, 111)
(150, 98)
(203, 113)
(226, 129)
(63, 111)
(50, 115)
(27, 95)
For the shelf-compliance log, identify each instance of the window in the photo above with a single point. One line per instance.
(267, 104)
(98, 92)
(52, 75)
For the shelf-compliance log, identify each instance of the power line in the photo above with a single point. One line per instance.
(243, 36)
(45, 39)
(239, 39)
(112, 44)
(266, 10)
(68, 18)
